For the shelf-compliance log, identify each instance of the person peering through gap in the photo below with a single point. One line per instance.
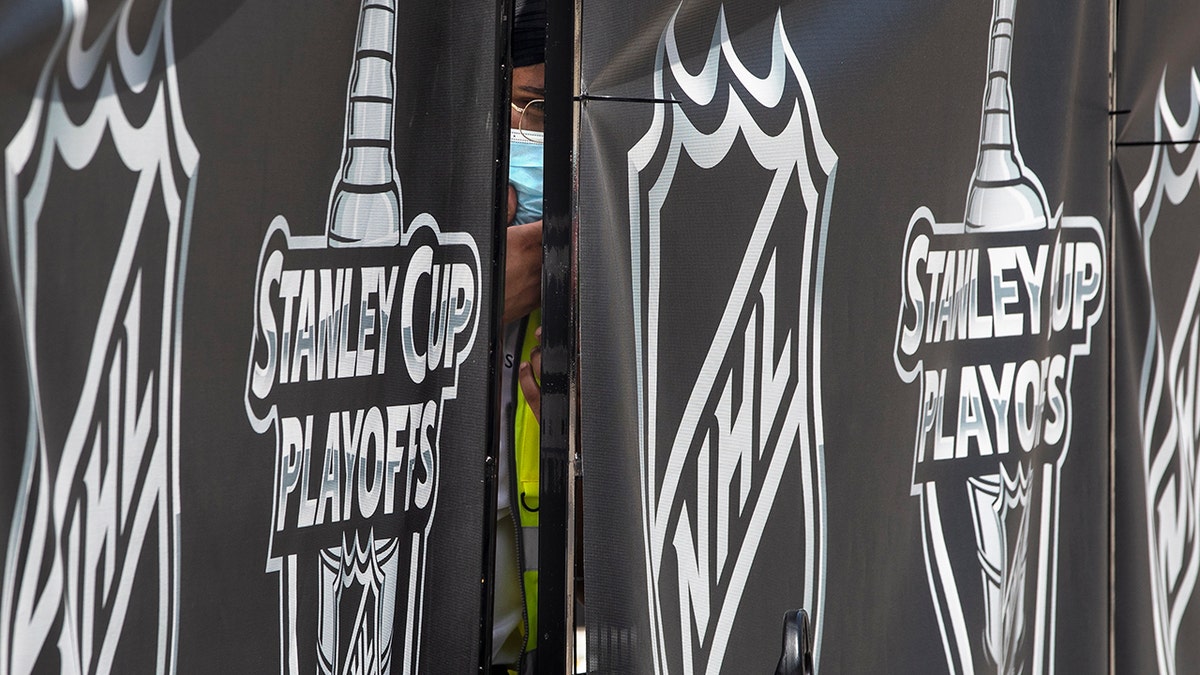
(514, 617)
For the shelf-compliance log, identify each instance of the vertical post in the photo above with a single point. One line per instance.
(1111, 622)
(503, 11)
(555, 621)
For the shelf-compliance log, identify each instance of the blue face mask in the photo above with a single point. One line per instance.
(525, 174)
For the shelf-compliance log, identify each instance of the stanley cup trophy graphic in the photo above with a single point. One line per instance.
(98, 184)
(355, 497)
(995, 311)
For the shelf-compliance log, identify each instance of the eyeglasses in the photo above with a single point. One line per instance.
(533, 116)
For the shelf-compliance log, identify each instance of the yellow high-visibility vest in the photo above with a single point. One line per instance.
(526, 463)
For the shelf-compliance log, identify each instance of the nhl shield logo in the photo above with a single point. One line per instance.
(731, 439)
(1167, 394)
(98, 187)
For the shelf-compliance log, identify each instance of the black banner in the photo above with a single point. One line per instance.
(843, 274)
(1157, 505)
(247, 321)
(844, 343)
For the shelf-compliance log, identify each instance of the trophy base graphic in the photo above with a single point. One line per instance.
(993, 598)
(996, 502)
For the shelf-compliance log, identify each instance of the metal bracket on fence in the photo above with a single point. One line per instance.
(797, 657)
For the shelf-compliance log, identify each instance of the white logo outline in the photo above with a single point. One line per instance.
(146, 150)
(1162, 386)
(707, 151)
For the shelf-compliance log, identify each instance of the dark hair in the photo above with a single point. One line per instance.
(529, 33)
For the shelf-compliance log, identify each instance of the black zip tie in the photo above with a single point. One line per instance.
(1121, 144)
(624, 99)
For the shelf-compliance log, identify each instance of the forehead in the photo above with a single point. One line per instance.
(529, 79)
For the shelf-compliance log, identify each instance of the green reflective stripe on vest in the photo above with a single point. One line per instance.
(527, 439)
